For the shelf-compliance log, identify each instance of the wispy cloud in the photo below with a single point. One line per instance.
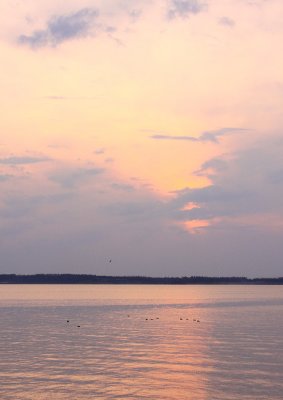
(21, 160)
(56, 97)
(207, 136)
(171, 137)
(61, 28)
(184, 8)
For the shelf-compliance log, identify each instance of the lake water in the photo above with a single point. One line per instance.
(141, 342)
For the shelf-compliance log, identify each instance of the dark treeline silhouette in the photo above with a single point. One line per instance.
(133, 280)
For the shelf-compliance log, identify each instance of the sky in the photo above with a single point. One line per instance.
(148, 132)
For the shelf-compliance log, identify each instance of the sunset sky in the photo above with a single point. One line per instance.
(148, 132)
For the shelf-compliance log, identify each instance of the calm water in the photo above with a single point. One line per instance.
(141, 342)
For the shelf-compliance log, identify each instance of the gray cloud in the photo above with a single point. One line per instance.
(226, 21)
(62, 28)
(68, 178)
(21, 160)
(84, 22)
(184, 8)
(207, 136)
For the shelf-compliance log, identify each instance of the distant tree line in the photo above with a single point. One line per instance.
(132, 280)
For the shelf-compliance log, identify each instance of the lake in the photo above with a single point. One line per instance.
(141, 342)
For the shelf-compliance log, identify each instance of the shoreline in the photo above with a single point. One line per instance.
(87, 279)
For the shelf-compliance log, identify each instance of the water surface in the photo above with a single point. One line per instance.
(141, 342)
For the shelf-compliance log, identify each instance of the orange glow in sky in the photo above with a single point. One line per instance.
(124, 118)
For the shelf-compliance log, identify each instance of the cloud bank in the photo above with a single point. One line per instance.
(246, 188)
